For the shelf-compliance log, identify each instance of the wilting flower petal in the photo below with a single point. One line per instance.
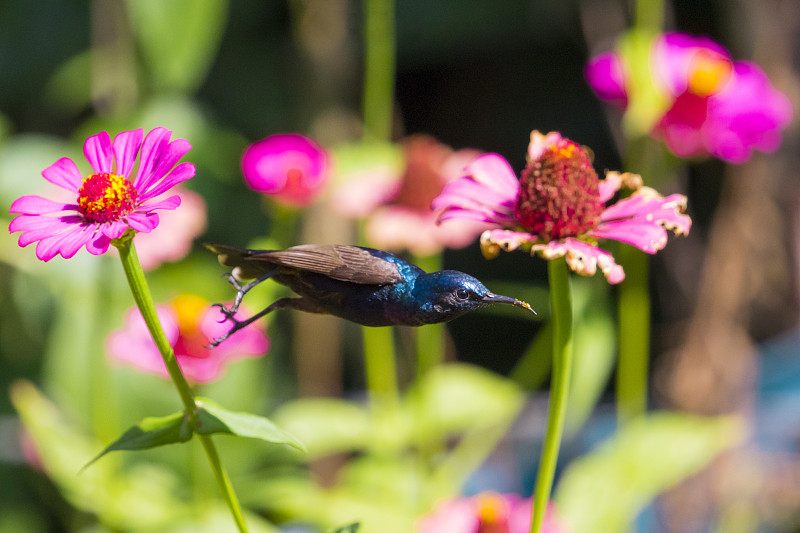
(558, 208)
(107, 204)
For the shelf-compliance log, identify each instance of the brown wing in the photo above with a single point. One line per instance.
(338, 261)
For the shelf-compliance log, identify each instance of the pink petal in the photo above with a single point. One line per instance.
(487, 192)
(152, 148)
(113, 230)
(36, 205)
(643, 219)
(97, 150)
(606, 74)
(74, 239)
(126, 148)
(143, 222)
(98, 244)
(65, 174)
(171, 154)
(582, 257)
(672, 57)
(169, 203)
(366, 191)
(182, 172)
(494, 172)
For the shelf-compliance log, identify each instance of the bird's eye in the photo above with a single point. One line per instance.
(462, 294)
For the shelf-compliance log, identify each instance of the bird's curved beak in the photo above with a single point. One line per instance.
(490, 297)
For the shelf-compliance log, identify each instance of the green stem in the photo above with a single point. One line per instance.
(144, 301)
(379, 366)
(430, 341)
(379, 63)
(634, 336)
(561, 304)
(649, 15)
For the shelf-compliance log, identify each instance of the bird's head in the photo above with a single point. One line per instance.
(448, 294)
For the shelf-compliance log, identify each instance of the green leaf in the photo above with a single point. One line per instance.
(326, 425)
(150, 492)
(150, 433)
(351, 528)
(213, 418)
(604, 491)
(457, 397)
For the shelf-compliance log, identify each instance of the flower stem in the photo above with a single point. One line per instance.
(379, 61)
(634, 336)
(561, 305)
(430, 341)
(144, 301)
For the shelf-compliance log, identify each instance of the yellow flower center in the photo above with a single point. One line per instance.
(708, 73)
(106, 197)
(187, 310)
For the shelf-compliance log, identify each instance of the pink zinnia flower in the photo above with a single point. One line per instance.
(397, 205)
(558, 207)
(289, 167)
(178, 229)
(714, 105)
(190, 325)
(107, 202)
(488, 512)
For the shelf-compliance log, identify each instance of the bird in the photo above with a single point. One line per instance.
(363, 285)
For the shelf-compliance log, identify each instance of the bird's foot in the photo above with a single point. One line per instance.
(237, 324)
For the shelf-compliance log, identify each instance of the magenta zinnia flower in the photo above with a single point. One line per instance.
(558, 207)
(715, 106)
(190, 325)
(107, 202)
(397, 205)
(488, 512)
(289, 167)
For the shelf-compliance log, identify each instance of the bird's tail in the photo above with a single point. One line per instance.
(238, 259)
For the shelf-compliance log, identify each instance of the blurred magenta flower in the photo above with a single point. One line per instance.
(178, 229)
(558, 207)
(488, 512)
(398, 206)
(110, 200)
(715, 107)
(289, 167)
(189, 324)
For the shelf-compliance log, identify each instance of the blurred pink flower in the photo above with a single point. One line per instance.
(716, 106)
(178, 229)
(399, 206)
(488, 512)
(189, 324)
(557, 207)
(107, 202)
(289, 167)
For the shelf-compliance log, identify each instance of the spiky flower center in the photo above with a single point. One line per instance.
(106, 197)
(559, 193)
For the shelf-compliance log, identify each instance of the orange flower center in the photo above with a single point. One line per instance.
(708, 73)
(106, 197)
(191, 342)
(559, 193)
(492, 513)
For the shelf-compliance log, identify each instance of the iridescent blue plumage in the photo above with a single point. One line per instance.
(366, 286)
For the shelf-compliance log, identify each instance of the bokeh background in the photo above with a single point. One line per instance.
(473, 74)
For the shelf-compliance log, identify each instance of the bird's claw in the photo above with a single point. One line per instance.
(228, 313)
